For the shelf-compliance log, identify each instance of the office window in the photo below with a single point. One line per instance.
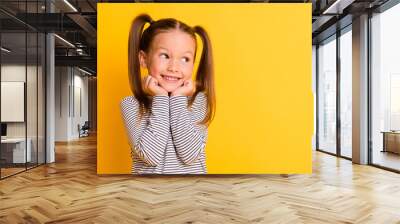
(314, 88)
(346, 93)
(327, 95)
(385, 89)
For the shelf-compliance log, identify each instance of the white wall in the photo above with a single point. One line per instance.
(12, 73)
(33, 126)
(16, 72)
(80, 84)
(71, 87)
(61, 103)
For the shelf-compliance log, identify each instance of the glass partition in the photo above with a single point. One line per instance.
(14, 153)
(327, 95)
(22, 88)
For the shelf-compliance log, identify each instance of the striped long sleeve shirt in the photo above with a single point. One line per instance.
(168, 139)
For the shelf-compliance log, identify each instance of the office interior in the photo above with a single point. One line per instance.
(48, 81)
(373, 84)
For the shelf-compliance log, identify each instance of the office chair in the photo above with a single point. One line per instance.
(84, 130)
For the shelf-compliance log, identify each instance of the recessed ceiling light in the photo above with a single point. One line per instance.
(64, 40)
(84, 71)
(71, 6)
(5, 50)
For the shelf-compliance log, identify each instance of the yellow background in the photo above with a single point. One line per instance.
(262, 53)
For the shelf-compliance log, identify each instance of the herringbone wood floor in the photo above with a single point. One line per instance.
(69, 191)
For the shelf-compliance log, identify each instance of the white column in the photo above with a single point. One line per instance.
(50, 91)
(360, 90)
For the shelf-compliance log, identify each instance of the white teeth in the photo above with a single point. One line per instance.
(169, 78)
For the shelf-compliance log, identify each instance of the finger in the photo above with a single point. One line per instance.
(143, 80)
(147, 84)
(144, 83)
(155, 82)
(148, 81)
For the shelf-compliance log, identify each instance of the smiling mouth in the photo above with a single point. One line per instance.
(170, 78)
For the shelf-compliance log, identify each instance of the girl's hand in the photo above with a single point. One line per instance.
(187, 89)
(151, 87)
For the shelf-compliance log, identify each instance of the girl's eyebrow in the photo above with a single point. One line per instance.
(163, 48)
(190, 52)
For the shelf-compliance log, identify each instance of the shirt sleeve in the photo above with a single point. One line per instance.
(188, 136)
(148, 142)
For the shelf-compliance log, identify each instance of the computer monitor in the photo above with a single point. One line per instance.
(3, 129)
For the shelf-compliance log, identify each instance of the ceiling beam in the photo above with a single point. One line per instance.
(337, 6)
(84, 24)
(85, 61)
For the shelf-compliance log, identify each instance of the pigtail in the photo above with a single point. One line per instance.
(140, 39)
(135, 79)
(205, 75)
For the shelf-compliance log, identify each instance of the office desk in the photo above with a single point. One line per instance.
(391, 141)
(15, 148)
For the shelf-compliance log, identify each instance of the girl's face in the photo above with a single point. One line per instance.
(170, 59)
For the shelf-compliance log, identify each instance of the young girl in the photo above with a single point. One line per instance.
(168, 115)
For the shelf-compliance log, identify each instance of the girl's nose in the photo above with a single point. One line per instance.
(173, 66)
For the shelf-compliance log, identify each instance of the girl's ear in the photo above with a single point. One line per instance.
(142, 59)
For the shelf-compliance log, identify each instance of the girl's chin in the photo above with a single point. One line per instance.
(170, 88)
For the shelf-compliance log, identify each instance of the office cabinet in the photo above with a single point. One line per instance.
(391, 142)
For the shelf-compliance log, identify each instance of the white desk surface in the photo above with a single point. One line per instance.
(13, 140)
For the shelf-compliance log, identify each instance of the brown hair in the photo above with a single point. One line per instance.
(141, 39)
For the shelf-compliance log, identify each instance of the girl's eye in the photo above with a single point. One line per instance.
(185, 59)
(163, 55)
